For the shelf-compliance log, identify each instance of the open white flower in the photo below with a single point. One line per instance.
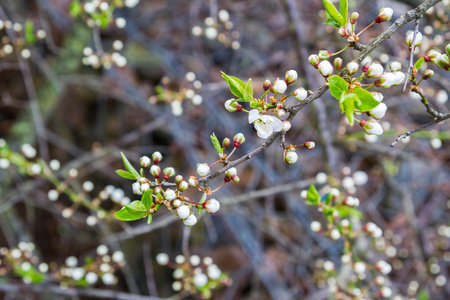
(264, 125)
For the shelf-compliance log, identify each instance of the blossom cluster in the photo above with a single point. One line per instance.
(24, 36)
(195, 275)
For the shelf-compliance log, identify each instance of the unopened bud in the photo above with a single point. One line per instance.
(280, 112)
(169, 194)
(211, 206)
(427, 74)
(395, 66)
(325, 68)
(444, 62)
(226, 143)
(384, 15)
(267, 84)
(300, 94)
(366, 67)
(231, 105)
(290, 77)
(231, 172)
(238, 140)
(417, 41)
(145, 187)
(157, 157)
(286, 126)
(354, 17)
(432, 56)
(352, 67)
(338, 63)
(309, 145)
(145, 161)
(176, 203)
(193, 181)
(314, 60)
(178, 179)
(235, 179)
(342, 32)
(279, 86)
(182, 186)
(169, 172)
(203, 169)
(155, 171)
(291, 157)
(374, 71)
(324, 54)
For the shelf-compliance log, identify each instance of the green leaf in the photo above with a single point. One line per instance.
(134, 211)
(29, 32)
(216, 144)
(331, 21)
(368, 102)
(337, 86)
(313, 196)
(345, 211)
(343, 9)
(248, 91)
(150, 218)
(255, 104)
(348, 106)
(236, 85)
(75, 8)
(125, 174)
(423, 295)
(147, 199)
(419, 63)
(128, 166)
(333, 12)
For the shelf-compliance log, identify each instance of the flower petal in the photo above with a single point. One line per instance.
(253, 115)
(276, 124)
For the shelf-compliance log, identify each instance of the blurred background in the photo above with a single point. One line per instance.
(80, 88)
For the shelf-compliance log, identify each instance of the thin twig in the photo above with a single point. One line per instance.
(411, 58)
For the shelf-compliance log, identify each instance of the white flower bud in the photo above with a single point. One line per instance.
(203, 169)
(359, 267)
(374, 71)
(290, 76)
(214, 272)
(325, 68)
(316, 226)
(352, 67)
(291, 157)
(378, 111)
(162, 259)
(145, 161)
(183, 212)
(286, 126)
(190, 221)
(200, 280)
(395, 66)
(212, 206)
(137, 188)
(377, 96)
(384, 15)
(417, 41)
(91, 278)
(371, 127)
(279, 86)
(300, 94)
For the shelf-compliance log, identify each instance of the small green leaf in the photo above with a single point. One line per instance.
(368, 102)
(313, 196)
(236, 85)
(128, 166)
(150, 218)
(423, 295)
(125, 174)
(75, 8)
(348, 106)
(345, 211)
(331, 21)
(147, 199)
(248, 91)
(333, 12)
(337, 86)
(343, 9)
(134, 211)
(216, 144)
(419, 63)
(29, 32)
(255, 104)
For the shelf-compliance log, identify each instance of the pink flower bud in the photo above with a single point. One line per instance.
(203, 169)
(379, 111)
(314, 60)
(182, 186)
(427, 74)
(193, 181)
(211, 206)
(155, 171)
(444, 62)
(432, 56)
(352, 67)
(157, 157)
(324, 54)
(279, 86)
(371, 127)
(384, 15)
(231, 105)
(342, 32)
(325, 68)
(309, 145)
(417, 41)
(291, 157)
(145, 162)
(286, 126)
(374, 71)
(395, 66)
(238, 140)
(338, 63)
(267, 84)
(178, 179)
(290, 77)
(354, 17)
(300, 94)
(226, 143)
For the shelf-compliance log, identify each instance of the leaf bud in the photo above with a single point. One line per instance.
(157, 157)
(238, 140)
(427, 74)
(236, 179)
(384, 15)
(447, 49)
(324, 54)
(145, 162)
(338, 63)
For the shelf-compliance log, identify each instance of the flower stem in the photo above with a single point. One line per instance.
(223, 183)
(365, 28)
(333, 54)
(234, 149)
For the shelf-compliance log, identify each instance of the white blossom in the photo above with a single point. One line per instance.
(264, 125)
(183, 212)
